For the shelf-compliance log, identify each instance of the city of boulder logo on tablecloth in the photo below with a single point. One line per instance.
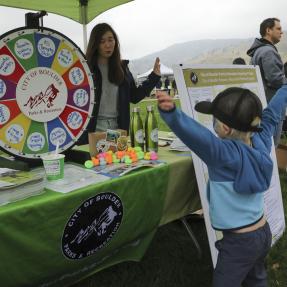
(92, 225)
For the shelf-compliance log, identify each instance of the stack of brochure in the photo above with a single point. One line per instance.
(17, 184)
(169, 138)
(178, 145)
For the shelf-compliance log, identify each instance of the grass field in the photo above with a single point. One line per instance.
(171, 260)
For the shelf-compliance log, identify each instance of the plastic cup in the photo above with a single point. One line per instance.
(54, 166)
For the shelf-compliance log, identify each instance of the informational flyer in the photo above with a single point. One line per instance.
(75, 177)
(202, 83)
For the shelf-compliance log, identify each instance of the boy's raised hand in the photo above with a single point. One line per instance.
(165, 102)
(156, 67)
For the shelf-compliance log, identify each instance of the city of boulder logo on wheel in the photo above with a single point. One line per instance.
(41, 94)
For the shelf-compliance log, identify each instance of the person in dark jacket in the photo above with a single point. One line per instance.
(174, 86)
(159, 84)
(114, 83)
(264, 54)
(166, 84)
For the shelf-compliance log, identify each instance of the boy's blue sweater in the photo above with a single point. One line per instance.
(238, 174)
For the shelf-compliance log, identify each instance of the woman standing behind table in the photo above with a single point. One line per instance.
(115, 85)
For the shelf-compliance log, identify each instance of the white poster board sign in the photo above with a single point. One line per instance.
(203, 82)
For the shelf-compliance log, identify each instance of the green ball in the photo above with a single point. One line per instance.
(128, 160)
(138, 149)
(89, 164)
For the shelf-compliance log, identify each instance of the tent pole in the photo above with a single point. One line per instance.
(85, 37)
(83, 5)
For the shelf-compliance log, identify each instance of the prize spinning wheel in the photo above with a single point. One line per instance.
(46, 92)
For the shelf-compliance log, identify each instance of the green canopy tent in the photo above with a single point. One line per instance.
(82, 11)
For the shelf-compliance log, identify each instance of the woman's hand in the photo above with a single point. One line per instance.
(165, 102)
(156, 67)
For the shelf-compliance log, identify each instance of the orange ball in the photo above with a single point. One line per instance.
(95, 161)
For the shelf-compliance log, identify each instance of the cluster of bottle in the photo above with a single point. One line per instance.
(147, 134)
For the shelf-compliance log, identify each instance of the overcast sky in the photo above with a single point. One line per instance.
(147, 26)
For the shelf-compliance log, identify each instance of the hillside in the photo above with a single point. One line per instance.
(221, 51)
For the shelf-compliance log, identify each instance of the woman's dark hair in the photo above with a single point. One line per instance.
(267, 23)
(115, 69)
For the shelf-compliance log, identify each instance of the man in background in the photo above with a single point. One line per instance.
(264, 54)
(166, 85)
(159, 84)
(174, 86)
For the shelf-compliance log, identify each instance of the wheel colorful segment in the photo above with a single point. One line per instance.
(46, 92)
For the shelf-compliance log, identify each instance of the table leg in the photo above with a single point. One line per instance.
(191, 234)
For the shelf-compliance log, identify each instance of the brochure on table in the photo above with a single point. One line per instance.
(203, 82)
(17, 185)
(75, 177)
(120, 169)
(11, 178)
(171, 139)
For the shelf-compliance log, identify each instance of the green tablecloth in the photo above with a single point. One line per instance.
(33, 231)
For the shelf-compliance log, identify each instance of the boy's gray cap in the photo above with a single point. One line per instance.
(235, 107)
